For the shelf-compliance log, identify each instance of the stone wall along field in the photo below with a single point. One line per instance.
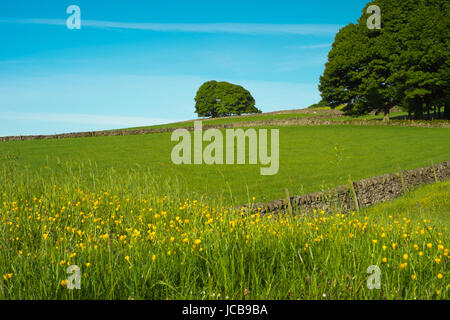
(271, 122)
(358, 194)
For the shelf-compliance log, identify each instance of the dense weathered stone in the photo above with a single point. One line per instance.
(368, 191)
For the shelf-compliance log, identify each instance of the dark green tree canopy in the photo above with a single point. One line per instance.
(220, 99)
(405, 63)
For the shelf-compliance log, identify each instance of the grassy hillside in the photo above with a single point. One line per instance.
(234, 119)
(324, 114)
(311, 158)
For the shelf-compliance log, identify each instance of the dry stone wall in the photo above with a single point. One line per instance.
(358, 194)
(313, 121)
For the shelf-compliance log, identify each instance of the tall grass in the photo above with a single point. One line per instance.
(137, 236)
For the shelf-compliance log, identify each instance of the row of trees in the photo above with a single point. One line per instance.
(406, 63)
(220, 99)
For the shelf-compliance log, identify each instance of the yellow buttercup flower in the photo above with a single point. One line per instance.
(198, 241)
(136, 233)
(7, 276)
(405, 257)
(104, 236)
(440, 276)
(413, 277)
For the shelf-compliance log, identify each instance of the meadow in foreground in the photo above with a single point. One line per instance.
(134, 238)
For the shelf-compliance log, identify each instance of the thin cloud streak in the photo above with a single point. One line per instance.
(237, 28)
(89, 119)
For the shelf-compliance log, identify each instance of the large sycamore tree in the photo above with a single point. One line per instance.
(405, 63)
(220, 99)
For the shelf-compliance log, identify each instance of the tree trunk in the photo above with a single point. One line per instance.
(418, 109)
(447, 112)
(418, 115)
(386, 115)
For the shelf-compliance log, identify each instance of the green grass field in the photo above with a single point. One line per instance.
(281, 116)
(311, 158)
(239, 119)
(131, 242)
(141, 227)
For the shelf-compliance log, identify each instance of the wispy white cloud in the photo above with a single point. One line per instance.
(86, 119)
(73, 102)
(239, 28)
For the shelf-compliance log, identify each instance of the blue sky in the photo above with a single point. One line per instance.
(137, 63)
